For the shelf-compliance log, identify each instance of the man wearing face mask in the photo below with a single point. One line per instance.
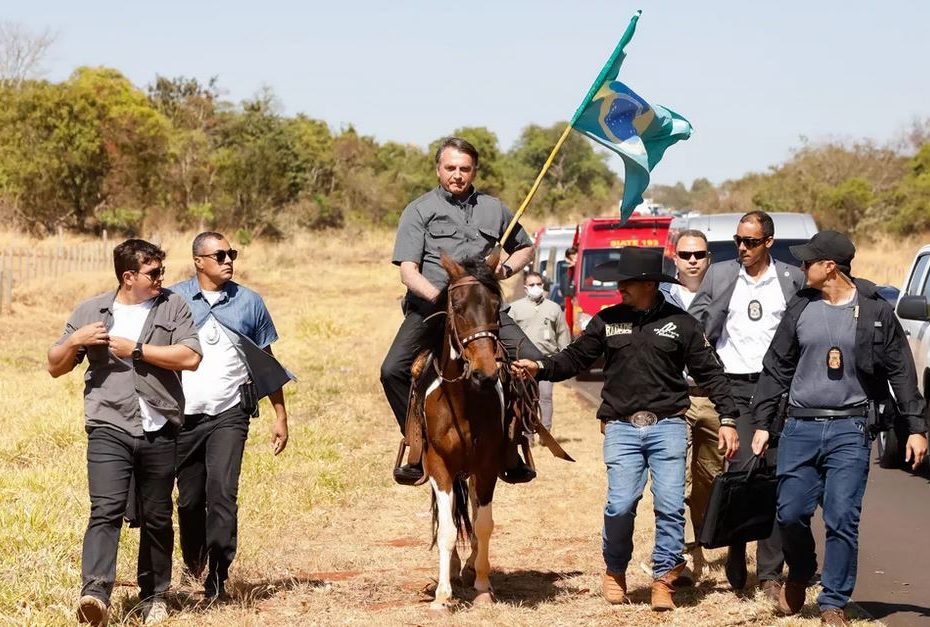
(544, 324)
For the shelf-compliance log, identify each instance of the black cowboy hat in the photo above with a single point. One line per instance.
(635, 264)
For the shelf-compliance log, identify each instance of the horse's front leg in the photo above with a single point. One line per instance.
(445, 540)
(483, 526)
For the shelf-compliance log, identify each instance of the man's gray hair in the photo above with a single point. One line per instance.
(202, 238)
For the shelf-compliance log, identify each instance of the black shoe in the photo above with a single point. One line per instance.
(214, 591)
(736, 567)
(408, 474)
(521, 473)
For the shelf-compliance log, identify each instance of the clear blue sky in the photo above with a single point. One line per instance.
(751, 76)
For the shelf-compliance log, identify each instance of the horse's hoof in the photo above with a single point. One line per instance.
(439, 608)
(484, 598)
(468, 576)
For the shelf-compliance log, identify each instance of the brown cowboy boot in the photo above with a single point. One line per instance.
(834, 616)
(663, 587)
(613, 587)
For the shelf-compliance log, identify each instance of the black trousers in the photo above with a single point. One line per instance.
(113, 456)
(770, 560)
(209, 463)
(417, 333)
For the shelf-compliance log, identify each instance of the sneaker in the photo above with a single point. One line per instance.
(154, 611)
(92, 610)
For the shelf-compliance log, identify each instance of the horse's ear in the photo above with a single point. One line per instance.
(494, 258)
(453, 269)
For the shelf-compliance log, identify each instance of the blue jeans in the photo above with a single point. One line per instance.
(826, 463)
(628, 452)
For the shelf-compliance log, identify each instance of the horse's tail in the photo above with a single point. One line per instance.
(459, 511)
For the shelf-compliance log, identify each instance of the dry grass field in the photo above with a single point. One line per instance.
(325, 536)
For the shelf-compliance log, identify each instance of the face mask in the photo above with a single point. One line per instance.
(535, 292)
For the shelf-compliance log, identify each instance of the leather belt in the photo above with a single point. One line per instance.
(813, 413)
(752, 377)
(643, 418)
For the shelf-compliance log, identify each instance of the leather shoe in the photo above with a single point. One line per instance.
(408, 474)
(834, 616)
(736, 567)
(662, 589)
(521, 473)
(613, 587)
(791, 598)
(772, 590)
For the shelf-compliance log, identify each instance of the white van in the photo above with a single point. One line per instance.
(551, 243)
(790, 229)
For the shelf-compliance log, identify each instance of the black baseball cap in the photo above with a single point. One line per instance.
(830, 245)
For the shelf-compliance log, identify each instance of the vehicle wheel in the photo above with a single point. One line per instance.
(889, 450)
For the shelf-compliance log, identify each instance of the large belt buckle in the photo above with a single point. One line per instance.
(643, 419)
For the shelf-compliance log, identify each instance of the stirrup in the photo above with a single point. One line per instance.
(409, 473)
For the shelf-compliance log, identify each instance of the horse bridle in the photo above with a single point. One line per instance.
(489, 330)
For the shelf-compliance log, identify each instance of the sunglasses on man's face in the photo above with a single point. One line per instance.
(749, 242)
(155, 274)
(697, 254)
(221, 255)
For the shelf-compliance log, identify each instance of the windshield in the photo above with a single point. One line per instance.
(592, 258)
(725, 250)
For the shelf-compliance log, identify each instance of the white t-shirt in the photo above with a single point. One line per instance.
(756, 308)
(128, 321)
(214, 386)
(684, 294)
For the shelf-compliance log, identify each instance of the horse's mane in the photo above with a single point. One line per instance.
(478, 267)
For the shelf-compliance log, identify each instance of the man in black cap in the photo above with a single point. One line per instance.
(647, 343)
(836, 350)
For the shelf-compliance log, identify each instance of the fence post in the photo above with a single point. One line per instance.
(6, 290)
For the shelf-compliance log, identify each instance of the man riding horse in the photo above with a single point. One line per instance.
(456, 219)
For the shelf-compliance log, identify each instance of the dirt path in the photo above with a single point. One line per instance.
(372, 562)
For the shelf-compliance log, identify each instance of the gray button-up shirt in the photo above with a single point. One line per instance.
(113, 386)
(437, 222)
(543, 322)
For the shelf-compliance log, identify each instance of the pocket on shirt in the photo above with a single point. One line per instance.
(441, 229)
(162, 333)
(620, 342)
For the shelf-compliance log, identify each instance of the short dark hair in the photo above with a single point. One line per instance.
(532, 273)
(459, 144)
(691, 233)
(571, 250)
(762, 219)
(201, 238)
(133, 254)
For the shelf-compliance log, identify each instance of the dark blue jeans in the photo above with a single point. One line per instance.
(628, 453)
(827, 463)
(113, 456)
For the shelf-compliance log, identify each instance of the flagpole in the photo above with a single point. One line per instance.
(618, 50)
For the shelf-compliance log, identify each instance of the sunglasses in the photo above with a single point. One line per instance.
(221, 255)
(688, 254)
(749, 242)
(155, 274)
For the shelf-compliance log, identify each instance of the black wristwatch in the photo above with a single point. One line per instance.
(137, 352)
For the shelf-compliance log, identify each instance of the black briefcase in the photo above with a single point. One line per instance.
(741, 506)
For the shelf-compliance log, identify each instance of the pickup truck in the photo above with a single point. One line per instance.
(914, 315)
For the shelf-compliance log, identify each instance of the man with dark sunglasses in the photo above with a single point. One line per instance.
(740, 304)
(135, 339)
(238, 368)
(705, 459)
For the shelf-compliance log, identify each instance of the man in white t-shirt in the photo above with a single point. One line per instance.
(238, 368)
(740, 304)
(135, 340)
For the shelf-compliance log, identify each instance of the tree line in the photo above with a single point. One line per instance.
(95, 151)
(861, 187)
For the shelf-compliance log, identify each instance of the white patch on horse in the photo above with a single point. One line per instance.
(500, 395)
(445, 540)
(453, 354)
(433, 386)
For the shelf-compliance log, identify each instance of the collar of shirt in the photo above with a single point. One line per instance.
(769, 274)
(201, 309)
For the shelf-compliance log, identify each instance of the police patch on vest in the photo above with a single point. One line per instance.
(618, 328)
(754, 309)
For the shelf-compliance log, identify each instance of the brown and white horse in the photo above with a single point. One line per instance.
(465, 437)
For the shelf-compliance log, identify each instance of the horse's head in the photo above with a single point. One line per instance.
(474, 299)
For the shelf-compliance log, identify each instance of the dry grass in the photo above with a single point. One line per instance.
(325, 536)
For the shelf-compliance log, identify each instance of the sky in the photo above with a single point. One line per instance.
(754, 78)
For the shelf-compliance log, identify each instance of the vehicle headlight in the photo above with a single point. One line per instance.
(583, 320)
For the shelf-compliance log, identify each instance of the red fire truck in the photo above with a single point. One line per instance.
(600, 240)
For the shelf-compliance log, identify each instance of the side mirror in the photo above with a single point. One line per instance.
(913, 308)
(566, 286)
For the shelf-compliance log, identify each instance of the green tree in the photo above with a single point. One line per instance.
(912, 196)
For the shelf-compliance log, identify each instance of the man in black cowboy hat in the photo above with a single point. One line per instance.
(647, 343)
